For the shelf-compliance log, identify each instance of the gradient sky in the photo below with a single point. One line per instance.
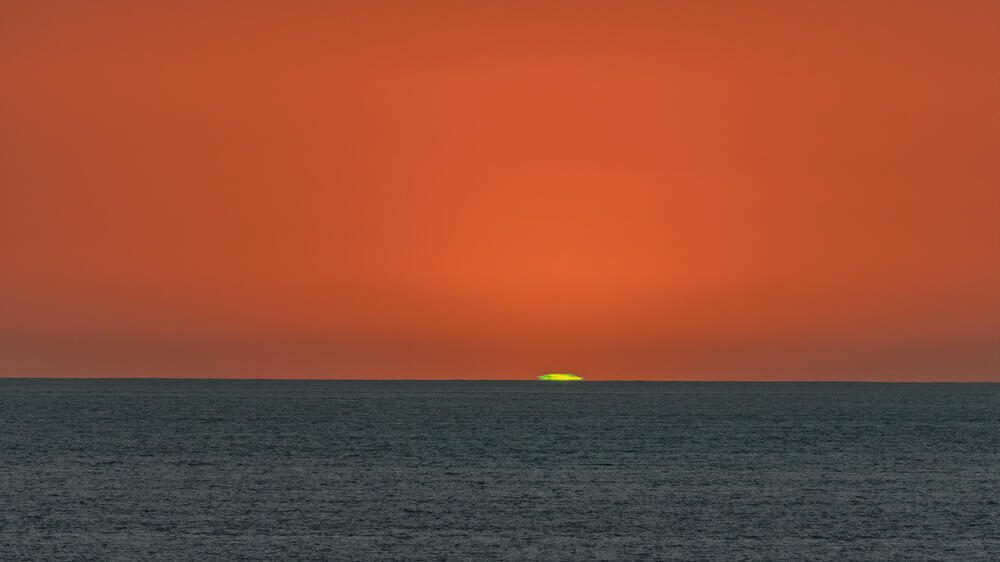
(625, 190)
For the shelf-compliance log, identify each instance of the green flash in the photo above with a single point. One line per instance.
(559, 377)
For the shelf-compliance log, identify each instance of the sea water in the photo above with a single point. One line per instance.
(195, 470)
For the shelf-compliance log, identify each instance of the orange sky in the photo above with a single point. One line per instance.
(657, 190)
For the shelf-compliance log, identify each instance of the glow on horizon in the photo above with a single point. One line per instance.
(559, 377)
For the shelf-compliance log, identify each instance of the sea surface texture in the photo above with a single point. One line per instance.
(196, 470)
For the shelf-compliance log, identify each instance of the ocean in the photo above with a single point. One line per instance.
(472, 470)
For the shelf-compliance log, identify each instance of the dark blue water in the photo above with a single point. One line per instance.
(511, 470)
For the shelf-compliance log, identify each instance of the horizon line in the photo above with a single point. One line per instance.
(535, 380)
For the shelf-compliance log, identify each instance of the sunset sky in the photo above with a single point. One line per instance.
(478, 189)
